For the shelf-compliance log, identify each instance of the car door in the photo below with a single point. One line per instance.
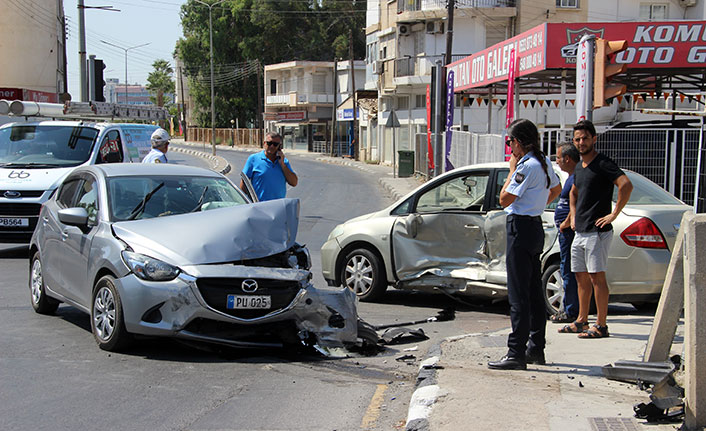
(77, 244)
(442, 241)
(52, 241)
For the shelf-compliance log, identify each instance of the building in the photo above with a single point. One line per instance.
(299, 102)
(114, 92)
(32, 42)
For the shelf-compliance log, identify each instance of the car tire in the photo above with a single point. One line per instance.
(41, 303)
(553, 287)
(107, 322)
(362, 273)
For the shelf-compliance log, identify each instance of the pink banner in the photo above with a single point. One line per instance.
(510, 105)
(430, 150)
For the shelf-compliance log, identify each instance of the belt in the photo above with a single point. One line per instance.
(524, 217)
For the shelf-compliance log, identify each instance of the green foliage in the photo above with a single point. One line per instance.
(160, 81)
(268, 31)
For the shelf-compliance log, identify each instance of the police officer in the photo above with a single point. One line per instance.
(160, 146)
(529, 187)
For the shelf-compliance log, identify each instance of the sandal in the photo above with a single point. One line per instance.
(574, 328)
(561, 317)
(595, 331)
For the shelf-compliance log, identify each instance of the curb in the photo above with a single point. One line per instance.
(425, 393)
(218, 163)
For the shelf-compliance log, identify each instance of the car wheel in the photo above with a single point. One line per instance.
(553, 285)
(362, 273)
(107, 322)
(41, 303)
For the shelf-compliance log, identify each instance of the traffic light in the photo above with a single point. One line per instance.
(605, 68)
(98, 82)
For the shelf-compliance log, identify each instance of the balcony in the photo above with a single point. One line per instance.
(298, 99)
(416, 10)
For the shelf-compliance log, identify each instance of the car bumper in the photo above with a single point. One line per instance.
(329, 254)
(178, 308)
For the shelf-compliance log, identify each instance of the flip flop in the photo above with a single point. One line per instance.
(595, 331)
(574, 328)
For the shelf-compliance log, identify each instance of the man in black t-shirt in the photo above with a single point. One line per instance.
(591, 215)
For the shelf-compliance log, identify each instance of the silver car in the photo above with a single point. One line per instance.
(448, 236)
(178, 251)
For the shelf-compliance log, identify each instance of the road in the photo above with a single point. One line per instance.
(53, 376)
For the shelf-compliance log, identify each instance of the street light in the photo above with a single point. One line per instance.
(213, 102)
(126, 50)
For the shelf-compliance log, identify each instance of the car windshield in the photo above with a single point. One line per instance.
(27, 146)
(135, 198)
(645, 192)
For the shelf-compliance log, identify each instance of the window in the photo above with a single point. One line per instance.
(273, 86)
(111, 148)
(88, 199)
(464, 193)
(319, 84)
(567, 3)
(420, 101)
(67, 192)
(403, 102)
(653, 11)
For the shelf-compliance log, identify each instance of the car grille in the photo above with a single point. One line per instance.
(284, 332)
(24, 193)
(24, 210)
(215, 292)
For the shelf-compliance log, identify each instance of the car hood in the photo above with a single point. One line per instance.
(32, 179)
(221, 235)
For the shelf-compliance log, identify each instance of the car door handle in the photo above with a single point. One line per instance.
(547, 225)
(471, 227)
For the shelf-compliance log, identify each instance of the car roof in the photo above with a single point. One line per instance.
(147, 169)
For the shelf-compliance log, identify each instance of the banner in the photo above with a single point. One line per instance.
(510, 106)
(449, 118)
(430, 150)
(583, 75)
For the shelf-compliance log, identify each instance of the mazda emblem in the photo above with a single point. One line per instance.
(10, 194)
(249, 285)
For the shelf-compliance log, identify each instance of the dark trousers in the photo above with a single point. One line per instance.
(571, 294)
(525, 239)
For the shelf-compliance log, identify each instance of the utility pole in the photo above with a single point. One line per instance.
(83, 90)
(333, 116)
(213, 93)
(126, 50)
(183, 103)
(355, 103)
(260, 96)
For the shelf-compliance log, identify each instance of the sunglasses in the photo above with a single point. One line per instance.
(508, 141)
(271, 143)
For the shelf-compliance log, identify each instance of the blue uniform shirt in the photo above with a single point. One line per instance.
(529, 184)
(563, 207)
(266, 176)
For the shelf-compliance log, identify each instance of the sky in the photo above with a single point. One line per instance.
(138, 22)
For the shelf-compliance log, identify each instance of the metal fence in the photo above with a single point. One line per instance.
(324, 147)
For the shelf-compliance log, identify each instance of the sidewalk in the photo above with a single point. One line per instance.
(569, 393)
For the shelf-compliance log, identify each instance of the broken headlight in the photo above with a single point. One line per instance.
(148, 268)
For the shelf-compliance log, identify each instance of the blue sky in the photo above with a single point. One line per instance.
(138, 22)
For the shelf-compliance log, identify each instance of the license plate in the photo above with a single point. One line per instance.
(249, 302)
(11, 222)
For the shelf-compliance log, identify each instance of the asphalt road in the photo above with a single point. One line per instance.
(53, 376)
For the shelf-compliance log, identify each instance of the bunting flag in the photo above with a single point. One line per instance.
(525, 102)
(503, 102)
(698, 97)
(639, 98)
(541, 102)
(495, 101)
(572, 101)
(480, 101)
(681, 97)
(652, 94)
(532, 103)
(556, 103)
(666, 95)
(620, 99)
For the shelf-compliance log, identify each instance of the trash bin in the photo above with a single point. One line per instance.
(405, 162)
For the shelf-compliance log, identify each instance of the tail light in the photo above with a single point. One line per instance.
(644, 233)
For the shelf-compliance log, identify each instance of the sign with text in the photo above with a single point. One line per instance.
(291, 116)
(28, 95)
(449, 118)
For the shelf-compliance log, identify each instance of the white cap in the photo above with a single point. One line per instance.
(159, 138)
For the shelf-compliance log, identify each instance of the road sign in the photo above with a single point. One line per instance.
(392, 120)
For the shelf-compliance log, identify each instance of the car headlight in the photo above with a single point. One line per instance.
(336, 232)
(148, 268)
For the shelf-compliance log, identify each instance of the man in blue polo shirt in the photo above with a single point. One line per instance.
(269, 171)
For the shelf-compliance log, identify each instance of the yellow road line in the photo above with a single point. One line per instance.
(373, 411)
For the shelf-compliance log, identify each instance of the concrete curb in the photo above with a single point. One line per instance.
(218, 163)
(426, 392)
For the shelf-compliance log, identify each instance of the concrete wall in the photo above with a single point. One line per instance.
(31, 45)
(629, 10)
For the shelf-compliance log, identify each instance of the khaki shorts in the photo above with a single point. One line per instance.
(589, 251)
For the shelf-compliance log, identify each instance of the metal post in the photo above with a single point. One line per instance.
(335, 105)
(439, 123)
(82, 52)
(126, 50)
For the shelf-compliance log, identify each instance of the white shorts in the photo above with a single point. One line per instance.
(589, 251)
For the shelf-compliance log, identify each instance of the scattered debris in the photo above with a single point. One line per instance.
(442, 316)
(411, 349)
(402, 335)
(406, 358)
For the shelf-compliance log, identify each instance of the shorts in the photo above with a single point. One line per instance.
(589, 251)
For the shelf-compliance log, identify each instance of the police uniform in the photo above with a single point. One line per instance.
(155, 156)
(525, 240)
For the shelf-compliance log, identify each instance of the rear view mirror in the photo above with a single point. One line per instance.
(77, 216)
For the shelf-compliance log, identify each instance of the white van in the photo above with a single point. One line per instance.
(35, 157)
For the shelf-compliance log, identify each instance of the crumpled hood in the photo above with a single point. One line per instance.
(220, 235)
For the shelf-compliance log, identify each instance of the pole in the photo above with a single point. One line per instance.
(260, 96)
(354, 154)
(183, 103)
(126, 50)
(82, 52)
(439, 123)
(126, 99)
(333, 116)
(66, 67)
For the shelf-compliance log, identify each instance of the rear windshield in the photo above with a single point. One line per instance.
(28, 146)
(645, 192)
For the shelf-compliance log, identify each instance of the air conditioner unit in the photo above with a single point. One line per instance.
(378, 67)
(403, 30)
(687, 3)
(435, 27)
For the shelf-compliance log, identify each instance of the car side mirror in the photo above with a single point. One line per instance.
(412, 223)
(77, 216)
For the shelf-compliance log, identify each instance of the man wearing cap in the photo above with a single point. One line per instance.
(160, 146)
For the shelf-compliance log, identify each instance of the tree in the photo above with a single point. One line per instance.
(263, 31)
(159, 81)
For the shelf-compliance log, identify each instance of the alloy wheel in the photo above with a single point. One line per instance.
(104, 313)
(359, 274)
(554, 290)
(37, 281)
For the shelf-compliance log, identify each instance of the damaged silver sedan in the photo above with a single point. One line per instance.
(165, 250)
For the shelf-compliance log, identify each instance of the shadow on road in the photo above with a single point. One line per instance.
(14, 252)
(441, 301)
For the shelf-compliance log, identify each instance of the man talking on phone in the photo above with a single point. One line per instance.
(269, 171)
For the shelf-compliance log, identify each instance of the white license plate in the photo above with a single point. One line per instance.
(249, 302)
(11, 222)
